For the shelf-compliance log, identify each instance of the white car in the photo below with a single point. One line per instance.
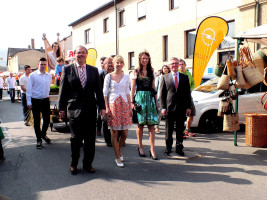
(206, 98)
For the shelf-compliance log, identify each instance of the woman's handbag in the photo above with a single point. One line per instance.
(232, 91)
(134, 117)
(251, 73)
(231, 68)
(224, 106)
(231, 121)
(223, 83)
(1, 134)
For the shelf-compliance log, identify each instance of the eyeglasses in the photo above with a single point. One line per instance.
(174, 64)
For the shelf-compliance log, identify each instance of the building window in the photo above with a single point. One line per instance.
(174, 4)
(131, 60)
(87, 36)
(105, 25)
(226, 44)
(141, 10)
(190, 43)
(121, 18)
(165, 47)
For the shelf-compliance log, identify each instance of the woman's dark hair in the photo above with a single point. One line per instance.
(163, 68)
(58, 50)
(148, 67)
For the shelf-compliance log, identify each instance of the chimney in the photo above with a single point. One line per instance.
(29, 46)
(33, 47)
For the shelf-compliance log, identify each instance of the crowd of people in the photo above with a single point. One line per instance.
(91, 97)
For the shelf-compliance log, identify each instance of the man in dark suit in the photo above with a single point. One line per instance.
(80, 92)
(108, 68)
(175, 104)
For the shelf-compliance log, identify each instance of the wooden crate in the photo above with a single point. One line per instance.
(256, 130)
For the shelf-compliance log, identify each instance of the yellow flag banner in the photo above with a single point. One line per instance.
(210, 34)
(91, 58)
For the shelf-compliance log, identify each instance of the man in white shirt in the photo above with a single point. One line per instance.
(1, 87)
(37, 94)
(23, 85)
(11, 82)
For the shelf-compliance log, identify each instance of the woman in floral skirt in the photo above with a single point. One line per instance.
(144, 83)
(118, 107)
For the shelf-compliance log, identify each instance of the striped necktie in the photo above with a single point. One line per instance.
(82, 76)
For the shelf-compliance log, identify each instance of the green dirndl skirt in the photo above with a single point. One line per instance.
(148, 113)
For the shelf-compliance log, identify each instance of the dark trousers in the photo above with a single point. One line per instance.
(40, 106)
(1, 150)
(24, 106)
(179, 119)
(83, 129)
(106, 131)
(12, 94)
(1, 93)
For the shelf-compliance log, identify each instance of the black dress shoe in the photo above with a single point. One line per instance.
(73, 170)
(167, 152)
(46, 139)
(180, 152)
(109, 144)
(142, 155)
(89, 169)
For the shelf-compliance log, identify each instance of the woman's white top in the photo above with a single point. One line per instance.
(113, 90)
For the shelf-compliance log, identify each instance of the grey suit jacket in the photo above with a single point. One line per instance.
(175, 100)
(74, 98)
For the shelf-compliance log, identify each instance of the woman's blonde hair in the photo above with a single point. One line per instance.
(118, 57)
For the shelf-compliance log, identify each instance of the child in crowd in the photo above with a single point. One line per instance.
(59, 67)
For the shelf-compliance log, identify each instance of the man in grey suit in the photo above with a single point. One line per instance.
(80, 92)
(175, 104)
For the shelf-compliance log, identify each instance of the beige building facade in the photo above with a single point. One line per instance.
(18, 58)
(165, 28)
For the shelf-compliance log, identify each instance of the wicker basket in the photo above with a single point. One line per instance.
(256, 130)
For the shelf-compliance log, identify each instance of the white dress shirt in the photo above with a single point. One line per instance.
(24, 81)
(113, 90)
(38, 86)
(177, 74)
(11, 82)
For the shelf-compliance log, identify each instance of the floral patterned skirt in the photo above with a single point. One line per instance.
(148, 114)
(120, 118)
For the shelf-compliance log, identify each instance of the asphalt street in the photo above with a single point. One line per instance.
(213, 168)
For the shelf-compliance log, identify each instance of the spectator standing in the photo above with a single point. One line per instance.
(58, 71)
(144, 83)
(23, 85)
(2, 157)
(108, 68)
(11, 82)
(80, 92)
(117, 99)
(102, 66)
(175, 103)
(1, 87)
(37, 94)
(182, 66)
(164, 70)
(53, 55)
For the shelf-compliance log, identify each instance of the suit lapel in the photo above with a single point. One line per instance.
(87, 75)
(170, 82)
(76, 74)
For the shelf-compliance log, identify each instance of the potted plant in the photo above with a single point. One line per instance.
(219, 69)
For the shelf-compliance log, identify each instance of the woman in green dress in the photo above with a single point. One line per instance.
(143, 83)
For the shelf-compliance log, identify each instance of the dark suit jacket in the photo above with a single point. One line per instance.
(76, 99)
(175, 100)
(102, 77)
